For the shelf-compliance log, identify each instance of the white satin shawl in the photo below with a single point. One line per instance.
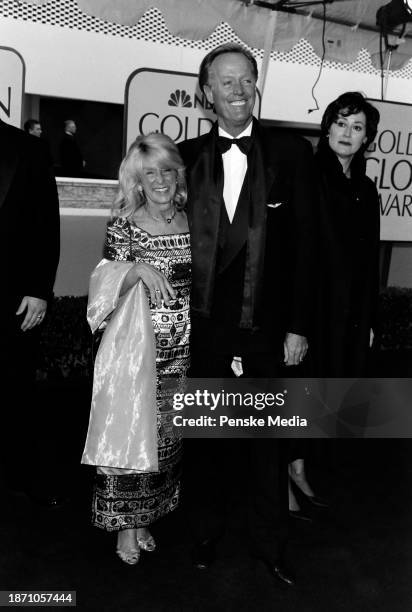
(123, 421)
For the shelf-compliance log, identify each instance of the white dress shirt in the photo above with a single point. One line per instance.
(234, 171)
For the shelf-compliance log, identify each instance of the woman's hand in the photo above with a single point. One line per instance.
(156, 282)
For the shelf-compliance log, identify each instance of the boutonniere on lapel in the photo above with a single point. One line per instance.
(274, 204)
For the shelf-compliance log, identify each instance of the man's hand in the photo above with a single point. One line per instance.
(295, 349)
(35, 311)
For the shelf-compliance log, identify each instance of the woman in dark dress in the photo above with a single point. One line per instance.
(349, 237)
(349, 253)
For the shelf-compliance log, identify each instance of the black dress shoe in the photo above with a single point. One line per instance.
(47, 501)
(282, 576)
(299, 516)
(204, 554)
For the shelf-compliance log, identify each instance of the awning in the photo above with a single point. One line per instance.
(350, 24)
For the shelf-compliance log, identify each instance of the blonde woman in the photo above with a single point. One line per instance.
(143, 287)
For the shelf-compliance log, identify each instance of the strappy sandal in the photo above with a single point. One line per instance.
(148, 544)
(130, 556)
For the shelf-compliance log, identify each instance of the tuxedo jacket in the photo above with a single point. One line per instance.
(29, 219)
(279, 242)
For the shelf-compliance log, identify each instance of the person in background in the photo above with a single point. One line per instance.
(29, 238)
(72, 162)
(33, 127)
(143, 286)
(349, 238)
(349, 226)
(299, 486)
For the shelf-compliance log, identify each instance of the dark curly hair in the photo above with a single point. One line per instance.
(351, 103)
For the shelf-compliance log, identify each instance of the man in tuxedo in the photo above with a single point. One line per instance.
(33, 127)
(250, 210)
(29, 239)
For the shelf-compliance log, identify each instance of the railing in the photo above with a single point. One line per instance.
(86, 193)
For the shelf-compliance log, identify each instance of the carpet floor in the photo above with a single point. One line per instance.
(354, 556)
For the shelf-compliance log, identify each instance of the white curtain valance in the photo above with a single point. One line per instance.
(197, 19)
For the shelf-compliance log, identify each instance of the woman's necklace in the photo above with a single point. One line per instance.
(162, 219)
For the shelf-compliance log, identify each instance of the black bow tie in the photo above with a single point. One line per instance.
(243, 143)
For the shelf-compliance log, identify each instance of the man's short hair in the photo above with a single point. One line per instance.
(30, 124)
(220, 50)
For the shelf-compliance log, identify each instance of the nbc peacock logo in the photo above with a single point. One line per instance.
(179, 97)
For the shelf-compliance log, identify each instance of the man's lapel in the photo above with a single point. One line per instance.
(269, 156)
(8, 162)
(206, 178)
(205, 206)
(263, 172)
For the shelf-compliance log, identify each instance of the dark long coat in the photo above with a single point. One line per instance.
(29, 242)
(29, 220)
(349, 265)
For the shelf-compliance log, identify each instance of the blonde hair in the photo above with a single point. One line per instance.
(152, 149)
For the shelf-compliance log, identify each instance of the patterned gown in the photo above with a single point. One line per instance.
(124, 499)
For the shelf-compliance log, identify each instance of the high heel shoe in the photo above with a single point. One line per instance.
(315, 500)
(130, 556)
(300, 516)
(148, 544)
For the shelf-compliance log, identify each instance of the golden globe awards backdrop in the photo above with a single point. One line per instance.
(168, 102)
(389, 164)
(12, 72)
